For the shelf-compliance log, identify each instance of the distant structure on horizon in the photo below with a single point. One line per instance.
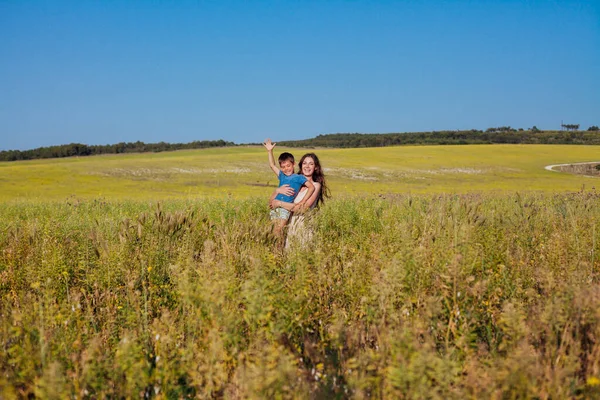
(569, 127)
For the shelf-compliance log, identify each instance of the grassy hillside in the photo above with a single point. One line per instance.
(243, 172)
(411, 296)
(434, 272)
(499, 135)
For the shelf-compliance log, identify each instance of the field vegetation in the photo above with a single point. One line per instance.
(243, 172)
(433, 273)
(404, 296)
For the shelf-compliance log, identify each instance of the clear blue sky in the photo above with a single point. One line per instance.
(100, 72)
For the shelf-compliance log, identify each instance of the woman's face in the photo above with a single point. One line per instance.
(308, 166)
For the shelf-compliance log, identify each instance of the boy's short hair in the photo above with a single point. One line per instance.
(286, 157)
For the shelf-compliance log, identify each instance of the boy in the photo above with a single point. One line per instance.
(286, 176)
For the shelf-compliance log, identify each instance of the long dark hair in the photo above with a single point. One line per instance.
(318, 176)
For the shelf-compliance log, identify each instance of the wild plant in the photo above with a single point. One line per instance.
(396, 296)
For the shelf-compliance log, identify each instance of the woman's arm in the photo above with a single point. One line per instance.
(285, 190)
(310, 201)
(282, 204)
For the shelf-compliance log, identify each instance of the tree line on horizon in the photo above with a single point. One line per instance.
(495, 135)
(78, 149)
(499, 135)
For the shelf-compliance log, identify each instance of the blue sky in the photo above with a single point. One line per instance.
(100, 72)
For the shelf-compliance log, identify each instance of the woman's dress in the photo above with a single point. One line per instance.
(297, 231)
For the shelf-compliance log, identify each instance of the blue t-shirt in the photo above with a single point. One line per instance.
(295, 181)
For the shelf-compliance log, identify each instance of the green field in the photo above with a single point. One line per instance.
(243, 172)
(408, 296)
(476, 275)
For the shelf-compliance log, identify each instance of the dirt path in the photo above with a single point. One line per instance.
(551, 167)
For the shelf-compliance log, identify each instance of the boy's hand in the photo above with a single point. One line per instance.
(269, 145)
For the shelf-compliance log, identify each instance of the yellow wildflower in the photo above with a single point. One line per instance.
(593, 381)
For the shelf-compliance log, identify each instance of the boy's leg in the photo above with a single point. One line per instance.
(279, 219)
(278, 227)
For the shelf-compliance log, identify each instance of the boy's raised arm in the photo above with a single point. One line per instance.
(270, 146)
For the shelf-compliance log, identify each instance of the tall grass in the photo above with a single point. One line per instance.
(445, 296)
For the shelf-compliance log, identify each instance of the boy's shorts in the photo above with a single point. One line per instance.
(280, 213)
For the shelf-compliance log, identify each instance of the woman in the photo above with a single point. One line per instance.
(310, 167)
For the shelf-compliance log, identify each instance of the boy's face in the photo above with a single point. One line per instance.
(287, 167)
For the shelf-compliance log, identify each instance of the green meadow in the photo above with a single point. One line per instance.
(243, 172)
(433, 272)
